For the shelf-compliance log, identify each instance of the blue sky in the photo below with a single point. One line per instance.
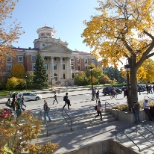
(66, 16)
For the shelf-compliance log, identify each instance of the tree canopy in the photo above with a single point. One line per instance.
(8, 32)
(18, 70)
(123, 29)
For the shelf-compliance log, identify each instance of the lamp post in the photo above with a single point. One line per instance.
(92, 90)
(66, 83)
(127, 68)
(26, 82)
(112, 79)
(51, 81)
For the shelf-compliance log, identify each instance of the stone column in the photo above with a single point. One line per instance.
(52, 68)
(60, 69)
(69, 70)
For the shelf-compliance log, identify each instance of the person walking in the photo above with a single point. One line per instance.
(23, 101)
(67, 101)
(99, 110)
(146, 109)
(55, 99)
(46, 110)
(136, 109)
(97, 94)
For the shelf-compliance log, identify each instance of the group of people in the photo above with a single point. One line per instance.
(16, 104)
(47, 109)
(95, 93)
(146, 107)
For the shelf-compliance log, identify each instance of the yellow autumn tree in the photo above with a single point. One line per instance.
(18, 70)
(122, 29)
(18, 136)
(8, 32)
(146, 72)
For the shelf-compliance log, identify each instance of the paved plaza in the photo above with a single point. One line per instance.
(81, 100)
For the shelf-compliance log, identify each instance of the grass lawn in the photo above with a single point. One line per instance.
(7, 92)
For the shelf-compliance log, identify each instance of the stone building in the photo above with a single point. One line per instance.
(61, 62)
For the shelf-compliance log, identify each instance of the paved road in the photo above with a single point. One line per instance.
(79, 97)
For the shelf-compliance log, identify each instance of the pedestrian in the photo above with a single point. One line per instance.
(55, 99)
(18, 108)
(97, 94)
(46, 110)
(99, 110)
(13, 105)
(20, 101)
(147, 109)
(67, 101)
(14, 96)
(23, 101)
(136, 110)
(8, 103)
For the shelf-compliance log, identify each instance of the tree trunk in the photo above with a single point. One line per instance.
(133, 82)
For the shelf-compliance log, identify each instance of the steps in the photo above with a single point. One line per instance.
(138, 138)
(80, 120)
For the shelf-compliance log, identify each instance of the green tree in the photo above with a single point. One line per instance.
(123, 29)
(96, 73)
(40, 79)
(80, 79)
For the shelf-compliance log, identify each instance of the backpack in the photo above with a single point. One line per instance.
(64, 98)
(96, 107)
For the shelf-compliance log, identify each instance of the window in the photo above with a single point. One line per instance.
(72, 59)
(33, 58)
(46, 66)
(93, 60)
(72, 75)
(63, 66)
(55, 66)
(86, 67)
(8, 67)
(63, 76)
(79, 68)
(9, 59)
(78, 60)
(20, 58)
(55, 76)
(72, 66)
(63, 59)
(33, 67)
(55, 59)
(86, 61)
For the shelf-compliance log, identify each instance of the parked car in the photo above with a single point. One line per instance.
(108, 90)
(29, 96)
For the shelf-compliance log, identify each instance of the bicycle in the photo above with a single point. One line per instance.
(113, 95)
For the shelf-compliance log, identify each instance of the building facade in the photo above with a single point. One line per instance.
(61, 63)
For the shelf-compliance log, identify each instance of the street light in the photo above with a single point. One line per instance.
(112, 79)
(66, 83)
(26, 82)
(51, 81)
(92, 90)
(127, 68)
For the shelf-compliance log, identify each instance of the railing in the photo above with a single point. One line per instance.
(66, 119)
(44, 124)
(108, 104)
(128, 138)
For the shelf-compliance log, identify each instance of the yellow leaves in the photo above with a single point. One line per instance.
(18, 70)
(24, 129)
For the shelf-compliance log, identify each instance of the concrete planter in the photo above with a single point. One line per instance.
(126, 116)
